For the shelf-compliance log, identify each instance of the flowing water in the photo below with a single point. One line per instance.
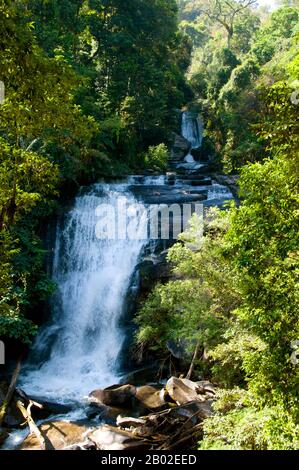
(192, 130)
(78, 350)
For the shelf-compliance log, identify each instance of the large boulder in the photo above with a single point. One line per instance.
(151, 397)
(58, 435)
(116, 395)
(109, 414)
(182, 391)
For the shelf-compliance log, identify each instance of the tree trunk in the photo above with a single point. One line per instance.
(192, 365)
(230, 33)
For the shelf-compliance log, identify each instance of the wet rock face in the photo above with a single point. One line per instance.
(180, 148)
(151, 397)
(153, 269)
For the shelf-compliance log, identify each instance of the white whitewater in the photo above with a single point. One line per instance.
(219, 191)
(93, 277)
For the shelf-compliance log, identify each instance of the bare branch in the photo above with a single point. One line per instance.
(225, 12)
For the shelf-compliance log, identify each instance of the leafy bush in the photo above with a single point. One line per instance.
(239, 425)
(157, 157)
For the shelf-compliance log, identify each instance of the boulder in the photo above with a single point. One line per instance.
(181, 392)
(116, 395)
(151, 397)
(57, 435)
(111, 438)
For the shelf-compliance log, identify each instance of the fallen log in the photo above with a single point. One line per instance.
(26, 412)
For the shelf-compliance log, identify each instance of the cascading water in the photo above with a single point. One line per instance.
(84, 339)
(192, 130)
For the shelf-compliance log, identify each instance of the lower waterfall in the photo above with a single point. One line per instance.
(78, 350)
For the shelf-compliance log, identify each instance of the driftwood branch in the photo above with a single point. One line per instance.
(10, 392)
(26, 412)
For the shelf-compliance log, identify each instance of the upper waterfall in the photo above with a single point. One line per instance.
(192, 128)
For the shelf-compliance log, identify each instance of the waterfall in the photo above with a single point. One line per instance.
(79, 349)
(192, 130)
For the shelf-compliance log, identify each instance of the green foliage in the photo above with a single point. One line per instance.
(157, 157)
(249, 428)
(236, 290)
(231, 81)
(193, 307)
(88, 87)
(131, 60)
(281, 26)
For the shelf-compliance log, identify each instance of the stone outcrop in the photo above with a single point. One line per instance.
(151, 397)
(114, 396)
(182, 391)
(179, 150)
(172, 419)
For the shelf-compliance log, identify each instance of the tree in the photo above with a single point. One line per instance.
(225, 12)
(38, 112)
